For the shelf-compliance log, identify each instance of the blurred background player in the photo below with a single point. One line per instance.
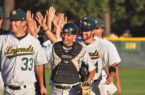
(114, 58)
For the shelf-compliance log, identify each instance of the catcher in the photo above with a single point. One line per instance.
(66, 57)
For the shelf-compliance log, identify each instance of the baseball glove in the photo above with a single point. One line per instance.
(86, 89)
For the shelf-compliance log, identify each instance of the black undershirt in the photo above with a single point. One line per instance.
(19, 38)
(87, 43)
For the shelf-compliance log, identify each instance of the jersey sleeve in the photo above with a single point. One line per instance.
(114, 57)
(48, 52)
(105, 56)
(40, 56)
(88, 61)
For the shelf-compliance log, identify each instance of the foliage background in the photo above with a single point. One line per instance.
(125, 14)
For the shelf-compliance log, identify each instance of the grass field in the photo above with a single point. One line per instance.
(132, 81)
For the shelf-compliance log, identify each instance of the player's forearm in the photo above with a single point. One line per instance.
(106, 68)
(117, 76)
(39, 72)
(91, 76)
(118, 84)
(50, 36)
(58, 32)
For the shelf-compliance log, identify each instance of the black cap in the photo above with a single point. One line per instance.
(70, 28)
(1, 12)
(99, 23)
(17, 15)
(87, 24)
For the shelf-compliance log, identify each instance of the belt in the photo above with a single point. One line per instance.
(15, 87)
(64, 87)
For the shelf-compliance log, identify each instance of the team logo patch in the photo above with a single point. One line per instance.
(14, 13)
(85, 23)
(95, 55)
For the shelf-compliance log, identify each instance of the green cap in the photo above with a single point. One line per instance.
(87, 24)
(17, 15)
(1, 12)
(99, 23)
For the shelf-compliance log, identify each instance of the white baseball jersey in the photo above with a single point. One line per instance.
(99, 54)
(114, 57)
(18, 57)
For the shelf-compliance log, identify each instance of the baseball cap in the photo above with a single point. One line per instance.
(70, 28)
(1, 12)
(17, 15)
(87, 24)
(99, 23)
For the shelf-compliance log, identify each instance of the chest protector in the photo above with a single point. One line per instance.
(65, 71)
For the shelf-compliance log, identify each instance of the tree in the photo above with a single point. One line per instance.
(119, 15)
(127, 14)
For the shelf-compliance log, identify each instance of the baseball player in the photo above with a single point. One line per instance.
(20, 54)
(96, 48)
(114, 57)
(66, 57)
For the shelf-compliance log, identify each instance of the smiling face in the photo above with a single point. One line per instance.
(87, 35)
(68, 39)
(15, 26)
(18, 28)
(98, 32)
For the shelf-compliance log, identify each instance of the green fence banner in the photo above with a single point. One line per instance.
(131, 51)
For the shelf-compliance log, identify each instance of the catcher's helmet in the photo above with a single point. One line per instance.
(87, 24)
(70, 28)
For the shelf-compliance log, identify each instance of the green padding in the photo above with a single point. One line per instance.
(132, 53)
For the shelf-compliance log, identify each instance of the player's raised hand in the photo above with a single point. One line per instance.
(50, 15)
(29, 15)
(41, 20)
(63, 19)
(34, 28)
(29, 18)
(56, 21)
